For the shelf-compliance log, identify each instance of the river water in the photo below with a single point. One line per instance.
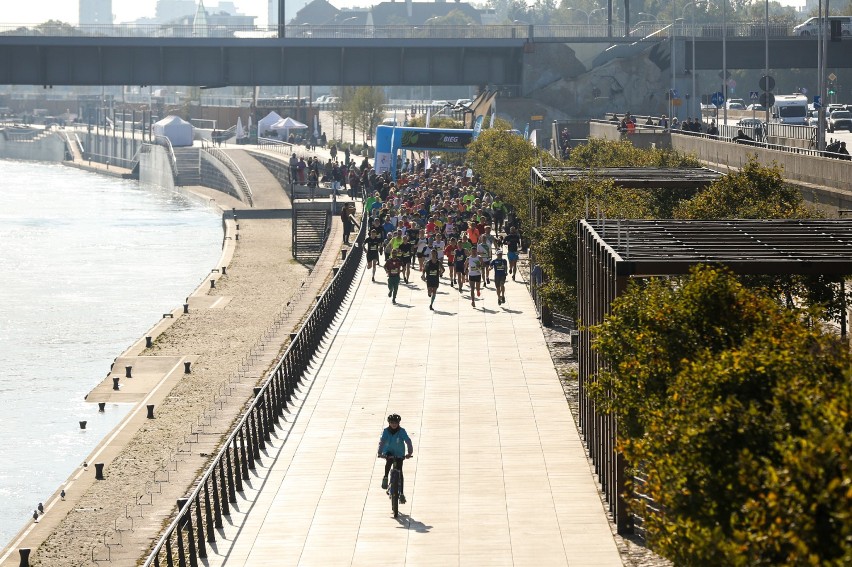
(87, 265)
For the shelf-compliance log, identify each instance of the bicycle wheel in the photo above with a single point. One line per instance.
(395, 504)
(394, 491)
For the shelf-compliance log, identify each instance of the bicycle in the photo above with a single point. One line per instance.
(394, 480)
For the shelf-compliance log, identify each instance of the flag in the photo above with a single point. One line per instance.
(477, 126)
(427, 161)
(533, 138)
(527, 132)
(491, 125)
(428, 116)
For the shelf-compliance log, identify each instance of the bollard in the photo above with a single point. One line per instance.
(335, 269)
(212, 284)
(149, 342)
(343, 254)
(293, 337)
(83, 425)
(186, 367)
(99, 471)
(256, 391)
(115, 383)
(238, 237)
(150, 411)
(224, 270)
(101, 407)
(25, 556)
(127, 372)
(238, 226)
(319, 297)
(186, 307)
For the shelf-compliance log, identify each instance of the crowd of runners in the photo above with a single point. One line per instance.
(441, 226)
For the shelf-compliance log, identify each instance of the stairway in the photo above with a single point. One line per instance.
(188, 166)
(310, 230)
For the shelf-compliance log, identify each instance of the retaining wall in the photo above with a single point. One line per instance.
(216, 176)
(155, 166)
(50, 147)
(640, 138)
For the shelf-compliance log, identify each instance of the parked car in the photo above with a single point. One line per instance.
(811, 26)
(832, 107)
(840, 120)
(756, 107)
(464, 102)
(736, 104)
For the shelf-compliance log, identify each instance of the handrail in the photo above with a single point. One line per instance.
(165, 142)
(233, 168)
(201, 514)
(274, 145)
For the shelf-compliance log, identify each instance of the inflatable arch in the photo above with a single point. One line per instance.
(391, 139)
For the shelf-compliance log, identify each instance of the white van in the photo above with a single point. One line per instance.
(790, 109)
(811, 26)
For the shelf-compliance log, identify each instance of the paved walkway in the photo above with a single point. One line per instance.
(499, 475)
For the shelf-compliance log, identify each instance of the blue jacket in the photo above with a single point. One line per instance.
(395, 443)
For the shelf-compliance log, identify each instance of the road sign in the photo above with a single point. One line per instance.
(718, 99)
(767, 99)
(537, 117)
(732, 83)
(753, 95)
(766, 83)
(803, 90)
(677, 102)
(817, 101)
(675, 93)
(832, 77)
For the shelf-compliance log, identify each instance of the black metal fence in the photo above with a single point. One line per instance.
(186, 540)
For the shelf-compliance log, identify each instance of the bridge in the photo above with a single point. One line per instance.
(341, 55)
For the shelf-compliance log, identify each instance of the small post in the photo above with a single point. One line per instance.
(149, 342)
(293, 337)
(101, 407)
(128, 371)
(187, 367)
(212, 284)
(224, 270)
(150, 411)
(238, 226)
(25, 556)
(99, 471)
(115, 380)
(256, 391)
(238, 237)
(343, 254)
(334, 270)
(186, 307)
(83, 425)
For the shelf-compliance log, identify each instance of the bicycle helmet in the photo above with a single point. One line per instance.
(394, 418)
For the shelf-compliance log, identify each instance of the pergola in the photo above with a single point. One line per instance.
(631, 177)
(611, 251)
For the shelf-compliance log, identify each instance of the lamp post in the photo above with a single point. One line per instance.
(692, 69)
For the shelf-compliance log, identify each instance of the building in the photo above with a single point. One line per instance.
(321, 12)
(95, 12)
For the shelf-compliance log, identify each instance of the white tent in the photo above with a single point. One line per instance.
(266, 122)
(239, 131)
(288, 124)
(178, 131)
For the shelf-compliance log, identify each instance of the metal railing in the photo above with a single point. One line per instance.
(199, 515)
(275, 145)
(330, 31)
(226, 160)
(166, 143)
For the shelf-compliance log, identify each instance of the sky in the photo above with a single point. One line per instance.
(37, 11)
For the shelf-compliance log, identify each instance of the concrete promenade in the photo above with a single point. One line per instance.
(499, 476)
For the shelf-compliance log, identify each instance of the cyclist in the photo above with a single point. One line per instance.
(393, 443)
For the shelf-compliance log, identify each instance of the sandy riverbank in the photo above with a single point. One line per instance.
(151, 463)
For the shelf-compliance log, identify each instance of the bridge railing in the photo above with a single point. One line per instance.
(199, 515)
(542, 32)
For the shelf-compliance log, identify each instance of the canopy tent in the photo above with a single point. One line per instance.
(265, 123)
(178, 131)
(288, 124)
(239, 132)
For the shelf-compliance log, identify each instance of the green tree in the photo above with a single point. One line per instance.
(739, 416)
(366, 108)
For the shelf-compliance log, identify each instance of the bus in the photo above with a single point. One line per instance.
(790, 109)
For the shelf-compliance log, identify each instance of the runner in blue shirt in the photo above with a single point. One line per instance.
(501, 268)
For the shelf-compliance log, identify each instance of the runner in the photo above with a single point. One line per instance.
(393, 267)
(474, 275)
(483, 249)
(434, 271)
(450, 252)
(422, 243)
(500, 269)
(460, 264)
(513, 241)
(407, 256)
(373, 244)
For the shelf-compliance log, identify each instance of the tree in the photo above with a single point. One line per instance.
(738, 414)
(366, 108)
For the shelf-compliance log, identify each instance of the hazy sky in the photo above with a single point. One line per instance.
(37, 11)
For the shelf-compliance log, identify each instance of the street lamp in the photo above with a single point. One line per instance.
(692, 69)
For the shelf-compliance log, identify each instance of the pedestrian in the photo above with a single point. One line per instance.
(349, 222)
